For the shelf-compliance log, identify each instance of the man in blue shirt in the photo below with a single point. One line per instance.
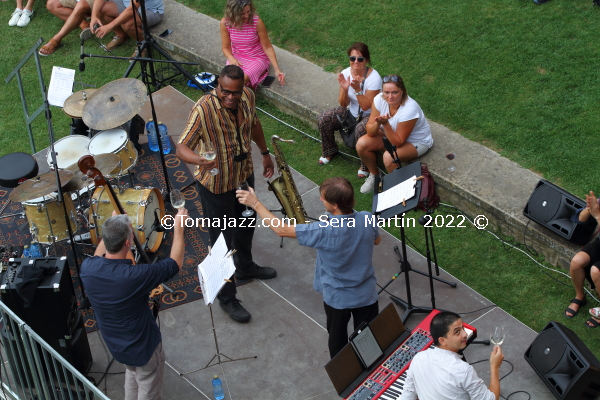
(344, 240)
(118, 291)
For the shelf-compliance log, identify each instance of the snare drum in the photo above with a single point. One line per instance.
(115, 141)
(47, 218)
(70, 149)
(139, 204)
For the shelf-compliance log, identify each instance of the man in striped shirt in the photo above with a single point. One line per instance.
(227, 118)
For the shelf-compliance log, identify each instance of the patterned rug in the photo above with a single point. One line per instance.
(14, 231)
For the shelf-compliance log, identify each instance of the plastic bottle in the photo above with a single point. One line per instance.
(164, 136)
(218, 388)
(152, 142)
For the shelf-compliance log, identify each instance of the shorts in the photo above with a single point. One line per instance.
(592, 249)
(153, 18)
(72, 3)
(421, 148)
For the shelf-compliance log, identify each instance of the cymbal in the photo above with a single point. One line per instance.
(39, 186)
(73, 106)
(104, 162)
(114, 104)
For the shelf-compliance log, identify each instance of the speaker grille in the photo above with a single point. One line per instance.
(547, 350)
(544, 203)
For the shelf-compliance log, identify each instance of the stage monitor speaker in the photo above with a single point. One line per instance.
(564, 363)
(53, 313)
(552, 207)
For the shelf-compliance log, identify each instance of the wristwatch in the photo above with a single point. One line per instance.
(359, 93)
(265, 153)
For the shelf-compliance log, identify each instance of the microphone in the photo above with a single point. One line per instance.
(84, 35)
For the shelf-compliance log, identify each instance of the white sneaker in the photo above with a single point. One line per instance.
(14, 18)
(25, 18)
(368, 185)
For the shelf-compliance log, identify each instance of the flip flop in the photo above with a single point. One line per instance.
(580, 303)
(593, 321)
(49, 48)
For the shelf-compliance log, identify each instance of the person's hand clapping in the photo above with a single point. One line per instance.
(246, 197)
(592, 204)
(344, 83)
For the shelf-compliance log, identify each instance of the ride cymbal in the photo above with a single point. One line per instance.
(39, 186)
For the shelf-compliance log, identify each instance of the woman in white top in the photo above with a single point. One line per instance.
(359, 84)
(399, 118)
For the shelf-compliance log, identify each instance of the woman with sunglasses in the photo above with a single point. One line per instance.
(245, 43)
(399, 118)
(359, 84)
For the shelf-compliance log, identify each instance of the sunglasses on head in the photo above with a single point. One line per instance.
(225, 92)
(352, 59)
(392, 78)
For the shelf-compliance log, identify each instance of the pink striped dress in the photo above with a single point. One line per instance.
(246, 48)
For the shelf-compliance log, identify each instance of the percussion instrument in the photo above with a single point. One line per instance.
(73, 105)
(143, 206)
(39, 186)
(104, 162)
(46, 218)
(69, 149)
(15, 168)
(115, 141)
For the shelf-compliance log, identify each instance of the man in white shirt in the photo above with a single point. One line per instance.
(439, 373)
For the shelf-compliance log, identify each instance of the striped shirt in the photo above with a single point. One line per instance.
(210, 121)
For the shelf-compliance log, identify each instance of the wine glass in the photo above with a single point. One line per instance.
(243, 185)
(210, 154)
(497, 336)
(177, 199)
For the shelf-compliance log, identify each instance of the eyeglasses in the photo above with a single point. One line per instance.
(392, 78)
(227, 93)
(352, 59)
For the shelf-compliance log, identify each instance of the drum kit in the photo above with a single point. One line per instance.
(104, 111)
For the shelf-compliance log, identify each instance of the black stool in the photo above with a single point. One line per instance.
(15, 168)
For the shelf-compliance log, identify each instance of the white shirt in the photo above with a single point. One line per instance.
(421, 133)
(373, 82)
(438, 374)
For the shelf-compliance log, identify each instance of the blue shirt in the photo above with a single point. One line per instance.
(118, 291)
(344, 273)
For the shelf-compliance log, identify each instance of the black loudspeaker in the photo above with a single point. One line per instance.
(564, 363)
(552, 207)
(53, 314)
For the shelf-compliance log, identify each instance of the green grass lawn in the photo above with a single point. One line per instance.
(519, 78)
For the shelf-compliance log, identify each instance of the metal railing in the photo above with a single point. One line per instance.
(32, 369)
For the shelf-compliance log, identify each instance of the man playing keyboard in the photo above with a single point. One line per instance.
(439, 373)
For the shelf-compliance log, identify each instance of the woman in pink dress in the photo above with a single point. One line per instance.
(245, 43)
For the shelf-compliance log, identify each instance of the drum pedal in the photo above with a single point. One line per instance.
(81, 238)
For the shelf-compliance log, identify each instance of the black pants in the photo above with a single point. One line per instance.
(227, 205)
(337, 323)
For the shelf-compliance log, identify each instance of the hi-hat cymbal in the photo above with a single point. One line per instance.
(114, 104)
(73, 106)
(104, 162)
(39, 186)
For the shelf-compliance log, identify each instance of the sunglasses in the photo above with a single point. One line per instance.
(227, 93)
(392, 78)
(352, 59)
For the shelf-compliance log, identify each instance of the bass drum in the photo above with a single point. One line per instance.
(139, 204)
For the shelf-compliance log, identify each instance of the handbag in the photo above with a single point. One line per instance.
(348, 122)
(428, 200)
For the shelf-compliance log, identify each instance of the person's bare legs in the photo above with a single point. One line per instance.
(577, 272)
(29, 5)
(108, 13)
(55, 7)
(77, 15)
(367, 148)
(595, 273)
(130, 28)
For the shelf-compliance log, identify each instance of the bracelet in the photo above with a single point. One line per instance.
(254, 204)
(265, 153)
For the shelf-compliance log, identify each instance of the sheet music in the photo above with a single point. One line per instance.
(61, 85)
(394, 195)
(215, 268)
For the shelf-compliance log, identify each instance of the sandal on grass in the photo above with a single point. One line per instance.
(592, 323)
(362, 174)
(49, 48)
(580, 303)
(595, 312)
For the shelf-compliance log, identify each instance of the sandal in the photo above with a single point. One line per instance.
(325, 161)
(592, 323)
(580, 303)
(595, 312)
(49, 48)
(362, 174)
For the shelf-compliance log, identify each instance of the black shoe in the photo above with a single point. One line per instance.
(257, 273)
(235, 310)
(538, 2)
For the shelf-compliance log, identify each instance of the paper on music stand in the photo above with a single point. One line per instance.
(215, 268)
(396, 194)
(61, 85)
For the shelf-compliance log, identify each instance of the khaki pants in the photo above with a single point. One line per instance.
(146, 383)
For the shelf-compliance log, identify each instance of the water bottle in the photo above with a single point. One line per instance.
(152, 142)
(164, 137)
(218, 388)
